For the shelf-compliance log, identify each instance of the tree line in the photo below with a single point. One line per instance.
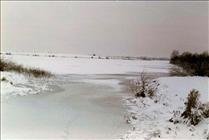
(192, 63)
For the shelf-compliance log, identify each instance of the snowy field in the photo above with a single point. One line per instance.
(88, 99)
(86, 65)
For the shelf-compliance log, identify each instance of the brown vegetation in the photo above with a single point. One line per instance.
(10, 66)
(144, 86)
(194, 111)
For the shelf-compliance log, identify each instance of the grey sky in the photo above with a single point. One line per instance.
(105, 28)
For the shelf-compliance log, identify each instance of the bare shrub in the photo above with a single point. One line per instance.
(2, 65)
(3, 79)
(194, 111)
(144, 86)
(192, 101)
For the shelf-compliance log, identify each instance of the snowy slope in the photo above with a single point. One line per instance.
(18, 84)
(150, 119)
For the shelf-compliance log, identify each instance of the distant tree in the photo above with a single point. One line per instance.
(174, 53)
(205, 53)
(174, 56)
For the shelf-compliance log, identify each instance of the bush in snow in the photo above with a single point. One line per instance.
(191, 104)
(3, 79)
(144, 86)
(194, 111)
(2, 65)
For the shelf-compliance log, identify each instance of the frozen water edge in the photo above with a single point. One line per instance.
(80, 107)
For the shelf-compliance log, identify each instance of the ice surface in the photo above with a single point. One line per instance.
(75, 110)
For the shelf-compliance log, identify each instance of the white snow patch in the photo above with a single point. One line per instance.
(150, 119)
(19, 84)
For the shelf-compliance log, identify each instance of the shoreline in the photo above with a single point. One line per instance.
(87, 112)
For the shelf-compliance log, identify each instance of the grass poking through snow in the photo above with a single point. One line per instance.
(10, 66)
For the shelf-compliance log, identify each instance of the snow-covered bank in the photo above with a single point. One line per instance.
(13, 84)
(65, 65)
(150, 119)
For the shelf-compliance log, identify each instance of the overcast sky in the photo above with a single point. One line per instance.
(105, 28)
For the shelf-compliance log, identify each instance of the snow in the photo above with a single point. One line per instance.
(70, 65)
(18, 84)
(64, 64)
(150, 119)
(181, 85)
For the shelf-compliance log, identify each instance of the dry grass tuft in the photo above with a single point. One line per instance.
(194, 111)
(10, 66)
